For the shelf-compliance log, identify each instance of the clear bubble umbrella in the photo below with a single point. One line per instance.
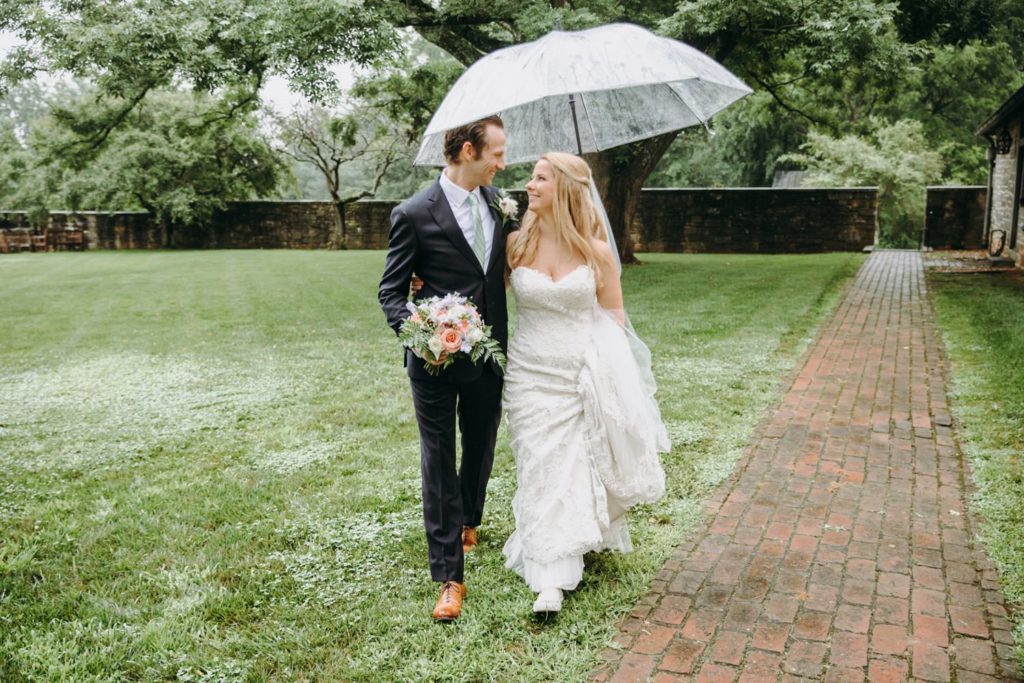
(585, 91)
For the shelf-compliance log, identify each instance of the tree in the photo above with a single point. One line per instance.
(227, 48)
(335, 143)
(935, 94)
(171, 157)
(895, 158)
(11, 166)
(778, 46)
(845, 67)
(823, 65)
(833, 67)
(134, 51)
(742, 150)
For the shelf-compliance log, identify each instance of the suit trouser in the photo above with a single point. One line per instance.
(453, 499)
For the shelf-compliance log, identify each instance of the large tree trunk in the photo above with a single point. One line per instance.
(619, 174)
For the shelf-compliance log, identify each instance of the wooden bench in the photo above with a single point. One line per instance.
(18, 240)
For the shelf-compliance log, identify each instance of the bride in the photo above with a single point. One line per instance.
(579, 395)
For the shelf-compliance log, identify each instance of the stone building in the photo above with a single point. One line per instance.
(1003, 130)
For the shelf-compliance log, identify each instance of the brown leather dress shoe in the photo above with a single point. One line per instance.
(449, 603)
(469, 540)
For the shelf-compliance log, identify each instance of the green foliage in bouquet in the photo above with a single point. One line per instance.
(440, 329)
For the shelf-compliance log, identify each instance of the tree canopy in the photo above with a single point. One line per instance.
(177, 154)
(174, 156)
(829, 69)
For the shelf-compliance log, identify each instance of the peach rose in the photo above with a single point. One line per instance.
(451, 339)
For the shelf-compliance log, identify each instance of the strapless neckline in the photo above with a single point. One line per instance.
(550, 279)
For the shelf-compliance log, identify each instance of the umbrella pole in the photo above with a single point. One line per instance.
(575, 124)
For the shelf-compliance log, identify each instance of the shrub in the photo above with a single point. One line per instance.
(895, 158)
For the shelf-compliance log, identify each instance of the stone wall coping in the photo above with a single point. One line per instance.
(956, 187)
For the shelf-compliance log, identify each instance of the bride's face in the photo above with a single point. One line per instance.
(540, 191)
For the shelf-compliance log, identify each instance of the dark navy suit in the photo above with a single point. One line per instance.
(426, 240)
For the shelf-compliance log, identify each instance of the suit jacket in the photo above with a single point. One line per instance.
(426, 239)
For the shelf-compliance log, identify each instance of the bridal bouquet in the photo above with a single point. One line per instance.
(442, 327)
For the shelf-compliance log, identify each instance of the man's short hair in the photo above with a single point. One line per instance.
(474, 133)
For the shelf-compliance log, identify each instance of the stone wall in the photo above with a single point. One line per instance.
(955, 217)
(693, 220)
(368, 224)
(756, 220)
(295, 225)
(267, 225)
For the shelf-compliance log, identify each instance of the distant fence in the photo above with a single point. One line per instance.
(955, 217)
(750, 220)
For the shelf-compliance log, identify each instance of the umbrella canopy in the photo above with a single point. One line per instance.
(584, 91)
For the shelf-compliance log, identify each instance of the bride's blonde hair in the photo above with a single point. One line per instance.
(575, 219)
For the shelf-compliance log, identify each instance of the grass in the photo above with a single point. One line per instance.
(982, 320)
(210, 467)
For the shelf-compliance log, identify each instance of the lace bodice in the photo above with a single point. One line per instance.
(554, 315)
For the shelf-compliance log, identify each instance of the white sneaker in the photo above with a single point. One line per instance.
(548, 600)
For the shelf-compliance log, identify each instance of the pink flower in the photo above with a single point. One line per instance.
(451, 339)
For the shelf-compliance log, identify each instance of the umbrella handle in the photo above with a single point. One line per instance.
(575, 124)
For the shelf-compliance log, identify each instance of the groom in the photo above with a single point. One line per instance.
(452, 237)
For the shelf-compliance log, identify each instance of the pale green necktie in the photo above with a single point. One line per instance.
(479, 245)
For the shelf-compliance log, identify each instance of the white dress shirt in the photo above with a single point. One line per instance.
(458, 199)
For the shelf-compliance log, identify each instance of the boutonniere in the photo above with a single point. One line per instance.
(507, 207)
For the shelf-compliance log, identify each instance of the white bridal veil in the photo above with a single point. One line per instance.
(641, 354)
(620, 382)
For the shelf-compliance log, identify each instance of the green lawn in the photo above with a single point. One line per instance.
(982, 319)
(209, 466)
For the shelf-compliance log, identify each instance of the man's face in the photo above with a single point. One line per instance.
(492, 156)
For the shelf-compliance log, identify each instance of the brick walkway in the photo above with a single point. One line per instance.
(840, 548)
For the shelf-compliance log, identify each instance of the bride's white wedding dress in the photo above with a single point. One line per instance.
(585, 428)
